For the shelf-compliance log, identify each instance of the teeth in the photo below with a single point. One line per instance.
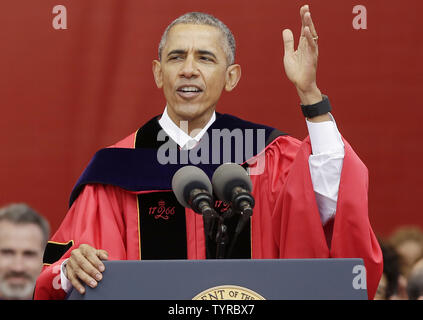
(189, 89)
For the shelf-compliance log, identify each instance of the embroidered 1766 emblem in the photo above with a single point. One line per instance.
(161, 211)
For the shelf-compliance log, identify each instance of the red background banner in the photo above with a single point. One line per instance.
(67, 93)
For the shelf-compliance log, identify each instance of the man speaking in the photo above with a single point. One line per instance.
(310, 196)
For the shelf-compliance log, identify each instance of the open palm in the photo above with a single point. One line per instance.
(301, 64)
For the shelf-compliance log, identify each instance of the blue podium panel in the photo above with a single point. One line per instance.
(274, 279)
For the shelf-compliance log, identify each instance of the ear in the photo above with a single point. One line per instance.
(157, 72)
(233, 75)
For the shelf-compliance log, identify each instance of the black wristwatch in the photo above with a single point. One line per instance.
(314, 110)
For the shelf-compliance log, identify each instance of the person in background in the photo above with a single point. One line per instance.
(408, 242)
(415, 281)
(391, 285)
(23, 237)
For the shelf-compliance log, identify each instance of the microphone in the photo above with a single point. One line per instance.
(231, 183)
(193, 190)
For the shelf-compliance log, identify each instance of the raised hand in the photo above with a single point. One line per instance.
(301, 64)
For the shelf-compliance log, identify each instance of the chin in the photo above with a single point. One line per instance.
(190, 111)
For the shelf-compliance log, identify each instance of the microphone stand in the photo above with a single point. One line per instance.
(240, 227)
(222, 239)
(222, 236)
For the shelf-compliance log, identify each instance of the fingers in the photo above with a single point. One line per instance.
(303, 10)
(308, 31)
(311, 42)
(84, 267)
(306, 20)
(288, 40)
(74, 279)
(309, 23)
(81, 270)
(103, 255)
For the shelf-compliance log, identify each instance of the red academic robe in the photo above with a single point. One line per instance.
(286, 222)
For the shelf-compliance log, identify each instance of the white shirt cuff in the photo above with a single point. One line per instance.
(64, 281)
(325, 164)
(325, 137)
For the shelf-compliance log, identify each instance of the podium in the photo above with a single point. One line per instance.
(270, 279)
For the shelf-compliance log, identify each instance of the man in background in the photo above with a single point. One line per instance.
(23, 236)
(415, 282)
(408, 242)
(392, 284)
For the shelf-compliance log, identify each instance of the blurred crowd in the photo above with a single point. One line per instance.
(24, 234)
(402, 277)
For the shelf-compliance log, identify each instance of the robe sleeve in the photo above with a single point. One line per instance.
(93, 219)
(350, 234)
(296, 228)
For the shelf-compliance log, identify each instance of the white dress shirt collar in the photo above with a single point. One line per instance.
(178, 135)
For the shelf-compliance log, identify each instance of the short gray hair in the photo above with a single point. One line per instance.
(21, 213)
(201, 18)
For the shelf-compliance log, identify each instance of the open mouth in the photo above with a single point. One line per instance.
(189, 91)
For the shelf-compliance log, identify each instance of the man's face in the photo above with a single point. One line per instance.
(21, 254)
(193, 71)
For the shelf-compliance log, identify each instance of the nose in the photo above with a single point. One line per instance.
(189, 68)
(18, 264)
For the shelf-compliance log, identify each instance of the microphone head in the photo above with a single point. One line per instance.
(227, 177)
(186, 179)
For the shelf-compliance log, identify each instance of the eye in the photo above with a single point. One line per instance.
(174, 58)
(7, 252)
(204, 58)
(30, 253)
